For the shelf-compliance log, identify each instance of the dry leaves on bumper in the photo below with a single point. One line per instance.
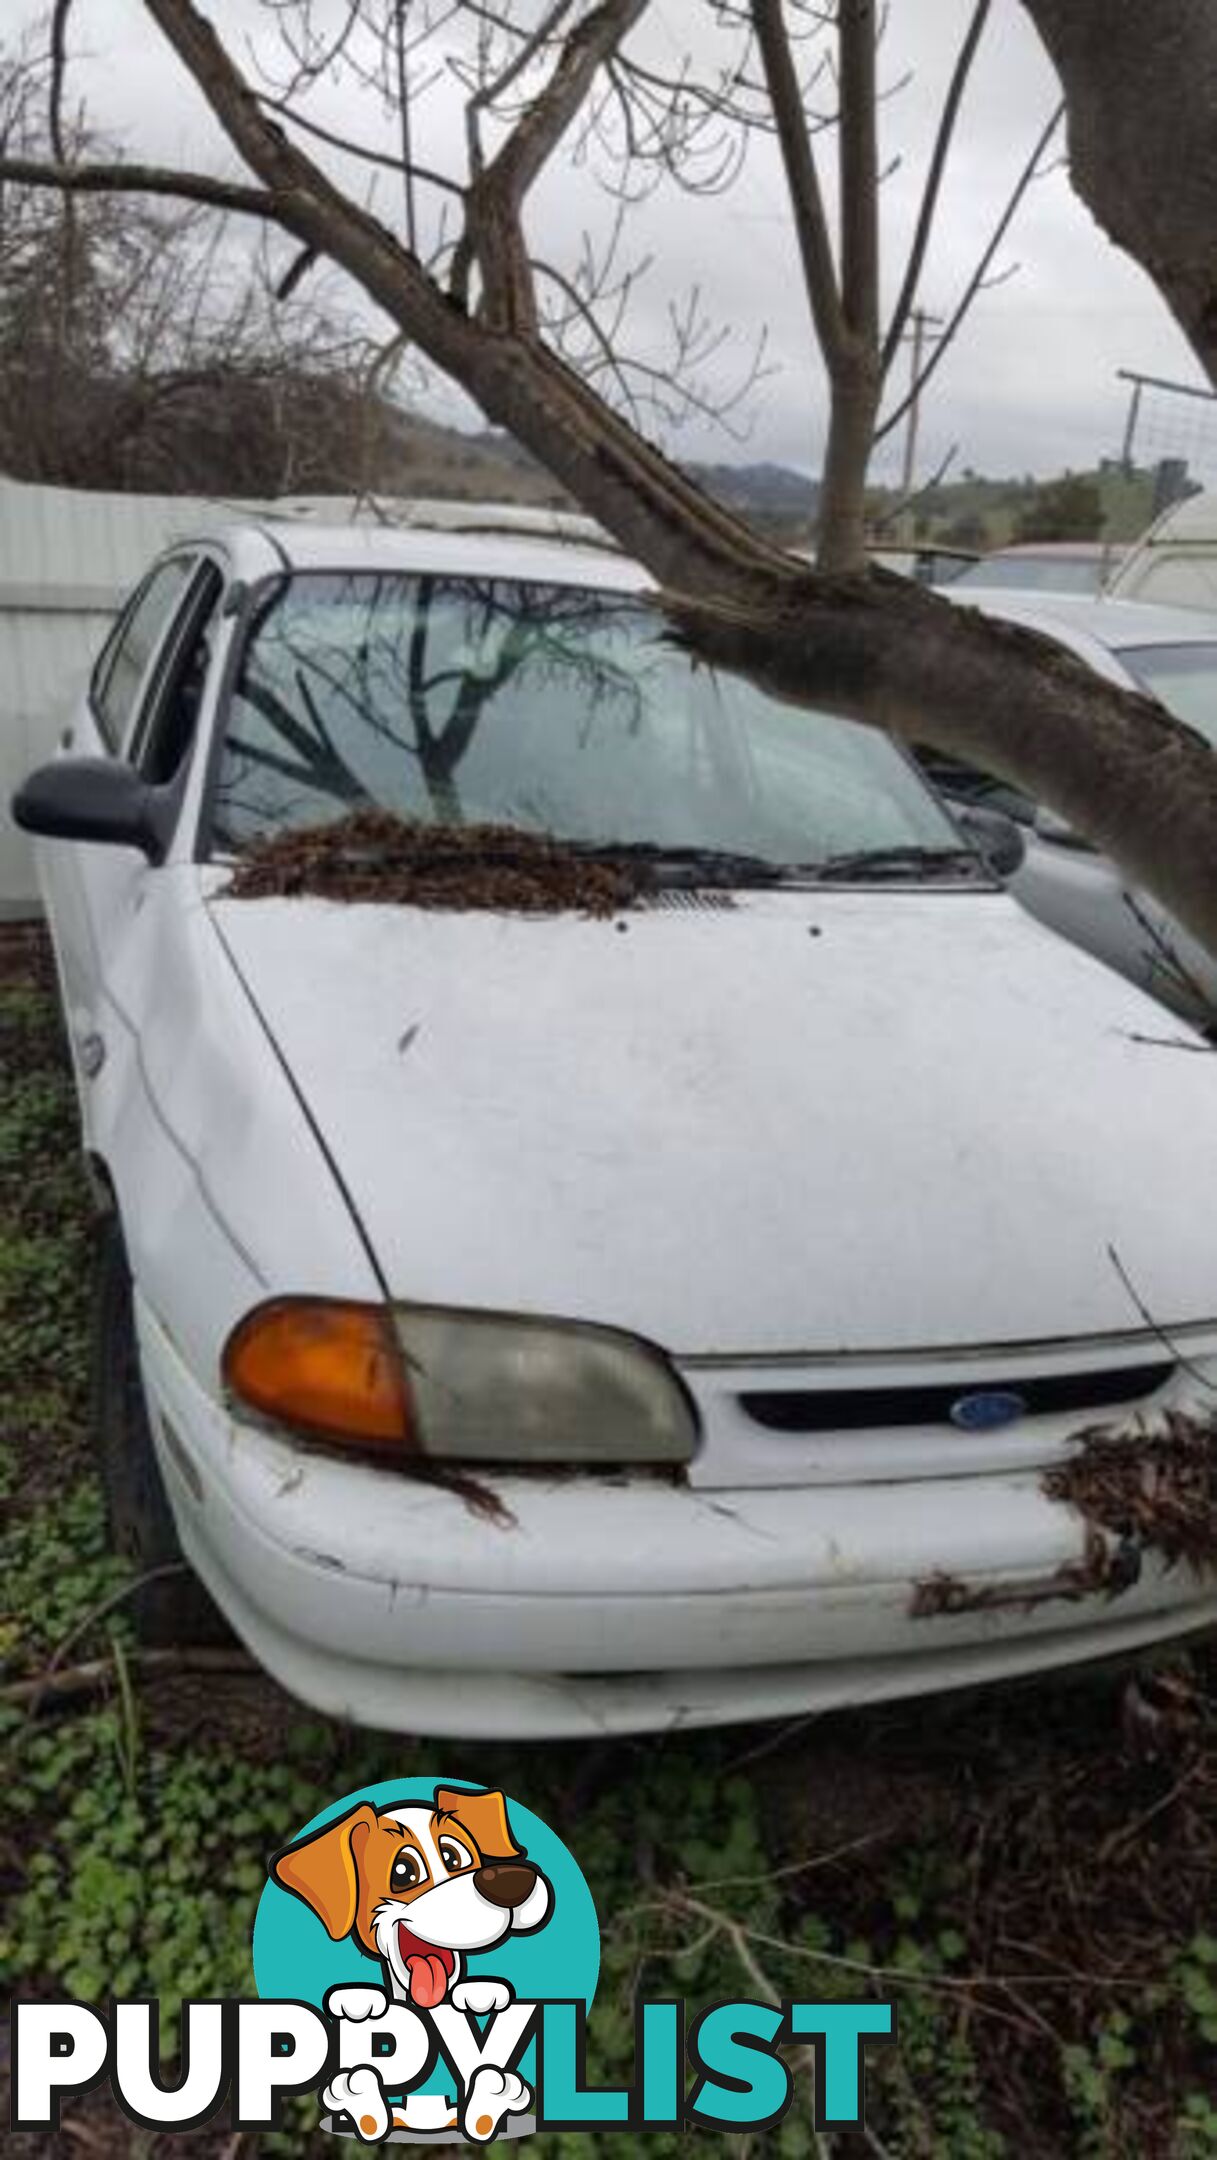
(371, 855)
(1158, 1487)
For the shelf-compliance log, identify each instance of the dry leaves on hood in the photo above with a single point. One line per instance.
(372, 856)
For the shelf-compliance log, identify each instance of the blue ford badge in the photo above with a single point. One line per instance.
(987, 1411)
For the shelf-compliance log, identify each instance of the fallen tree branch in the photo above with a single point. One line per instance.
(95, 1673)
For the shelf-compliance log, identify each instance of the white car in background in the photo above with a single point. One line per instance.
(1172, 653)
(1078, 567)
(1174, 564)
(541, 1323)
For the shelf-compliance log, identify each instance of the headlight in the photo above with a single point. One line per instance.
(463, 1386)
(492, 1388)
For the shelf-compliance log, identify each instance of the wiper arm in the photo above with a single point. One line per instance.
(724, 866)
(695, 865)
(897, 862)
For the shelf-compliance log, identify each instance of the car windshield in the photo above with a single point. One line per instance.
(1184, 677)
(1037, 573)
(547, 708)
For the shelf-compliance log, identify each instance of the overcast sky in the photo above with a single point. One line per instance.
(1031, 384)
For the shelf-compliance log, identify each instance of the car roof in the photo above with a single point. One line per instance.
(1098, 631)
(454, 539)
(1091, 626)
(1059, 550)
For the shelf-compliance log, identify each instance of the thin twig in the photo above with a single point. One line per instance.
(934, 179)
(909, 502)
(109, 1604)
(1155, 1327)
(895, 1975)
(1129, 1831)
(795, 1867)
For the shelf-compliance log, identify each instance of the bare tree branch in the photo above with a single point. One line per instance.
(975, 283)
(495, 201)
(934, 178)
(910, 501)
(58, 45)
(490, 92)
(349, 148)
(125, 179)
(802, 179)
(514, 379)
(854, 641)
(406, 119)
(857, 32)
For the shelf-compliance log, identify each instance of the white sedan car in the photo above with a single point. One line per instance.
(1172, 653)
(547, 1321)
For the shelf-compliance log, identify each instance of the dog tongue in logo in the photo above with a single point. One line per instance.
(429, 1965)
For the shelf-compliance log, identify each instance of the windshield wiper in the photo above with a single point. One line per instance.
(723, 866)
(918, 863)
(691, 865)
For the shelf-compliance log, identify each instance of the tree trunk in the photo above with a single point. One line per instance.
(1140, 82)
(841, 524)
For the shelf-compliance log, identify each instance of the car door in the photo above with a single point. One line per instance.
(93, 892)
(1082, 895)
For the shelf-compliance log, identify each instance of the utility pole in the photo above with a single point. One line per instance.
(918, 337)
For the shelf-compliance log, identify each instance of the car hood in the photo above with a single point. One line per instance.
(791, 1123)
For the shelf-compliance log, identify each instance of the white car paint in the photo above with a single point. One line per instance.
(630, 1097)
(1174, 564)
(1064, 882)
(852, 1139)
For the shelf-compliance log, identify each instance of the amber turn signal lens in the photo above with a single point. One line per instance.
(330, 1369)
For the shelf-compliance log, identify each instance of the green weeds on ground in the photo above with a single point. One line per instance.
(1042, 1907)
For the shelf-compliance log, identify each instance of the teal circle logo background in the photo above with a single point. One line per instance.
(294, 1958)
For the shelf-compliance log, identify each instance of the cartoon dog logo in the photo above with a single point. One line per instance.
(421, 1889)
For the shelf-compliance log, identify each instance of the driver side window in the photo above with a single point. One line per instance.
(125, 660)
(165, 732)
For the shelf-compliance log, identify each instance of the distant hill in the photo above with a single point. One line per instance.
(772, 492)
(974, 511)
(774, 495)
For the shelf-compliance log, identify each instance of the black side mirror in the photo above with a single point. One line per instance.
(95, 799)
(997, 838)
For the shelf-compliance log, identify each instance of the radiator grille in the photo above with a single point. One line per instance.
(804, 1410)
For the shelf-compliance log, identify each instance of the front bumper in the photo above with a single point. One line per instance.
(595, 1606)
